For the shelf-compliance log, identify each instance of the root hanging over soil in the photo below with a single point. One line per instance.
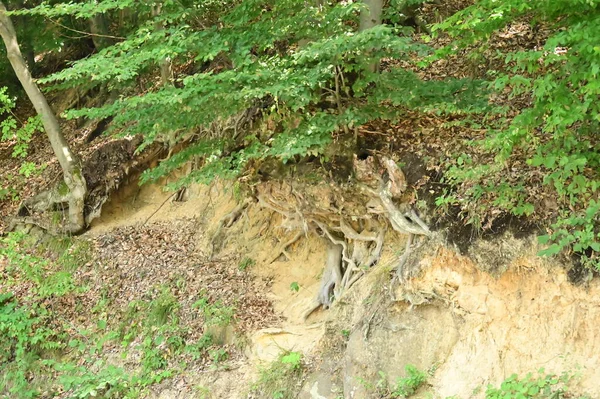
(283, 248)
(355, 231)
(332, 276)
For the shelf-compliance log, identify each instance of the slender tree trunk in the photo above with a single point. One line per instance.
(371, 15)
(99, 30)
(71, 168)
(166, 68)
(369, 18)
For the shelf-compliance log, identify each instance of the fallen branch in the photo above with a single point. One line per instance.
(159, 208)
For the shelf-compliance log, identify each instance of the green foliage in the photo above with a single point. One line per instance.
(295, 286)
(20, 134)
(48, 280)
(556, 132)
(404, 387)
(40, 351)
(215, 313)
(408, 385)
(304, 67)
(280, 379)
(163, 308)
(531, 387)
(108, 382)
(25, 336)
(246, 263)
(218, 355)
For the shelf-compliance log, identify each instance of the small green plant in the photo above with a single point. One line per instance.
(29, 169)
(108, 382)
(215, 313)
(295, 286)
(163, 307)
(197, 349)
(542, 386)
(280, 379)
(408, 385)
(294, 359)
(246, 263)
(218, 356)
(404, 387)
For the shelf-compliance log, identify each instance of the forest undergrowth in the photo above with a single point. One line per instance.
(454, 120)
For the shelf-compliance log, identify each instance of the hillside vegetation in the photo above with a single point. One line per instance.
(347, 120)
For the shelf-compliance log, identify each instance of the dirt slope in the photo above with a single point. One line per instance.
(466, 327)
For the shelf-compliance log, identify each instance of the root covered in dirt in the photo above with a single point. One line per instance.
(355, 231)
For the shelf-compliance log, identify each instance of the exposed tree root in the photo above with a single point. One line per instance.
(26, 223)
(226, 221)
(332, 276)
(408, 260)
(357, 245)
(282, 250)
(105, 170)
(400, 222)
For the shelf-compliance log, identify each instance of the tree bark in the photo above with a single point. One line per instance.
(369, 18)
(371, 15)
(99, 30)
(26, 43)
(70, 165)
(165, 65)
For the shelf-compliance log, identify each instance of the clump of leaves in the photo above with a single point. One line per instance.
(27, 333)
(403, 388)
(408, 385)
(20, 133)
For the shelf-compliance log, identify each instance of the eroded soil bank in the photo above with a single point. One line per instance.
(466, 327)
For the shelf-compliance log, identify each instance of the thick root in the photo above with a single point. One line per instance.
(399, 222)
(332, 276)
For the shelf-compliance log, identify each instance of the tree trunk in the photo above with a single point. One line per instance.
(166, 68)
(71, 168)
(26, 43)
(371, 15)
(369, 18)
(99, 30)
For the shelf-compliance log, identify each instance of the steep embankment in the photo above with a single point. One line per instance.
(464, 326)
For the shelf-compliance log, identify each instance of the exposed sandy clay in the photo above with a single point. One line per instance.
(471, 328)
